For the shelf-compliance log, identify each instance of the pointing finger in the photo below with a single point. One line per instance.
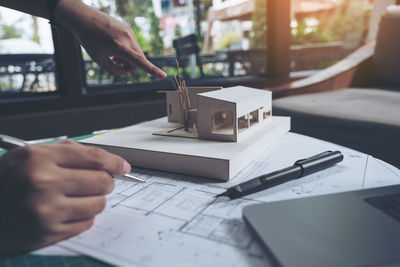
(139, 60)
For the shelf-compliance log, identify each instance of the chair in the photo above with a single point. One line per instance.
(184, 47)
(356, 102)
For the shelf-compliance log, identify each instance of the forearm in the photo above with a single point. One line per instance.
(77, 17)
(69, 13)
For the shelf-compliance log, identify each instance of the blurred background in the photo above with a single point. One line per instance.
(49, 85)
(229, 38)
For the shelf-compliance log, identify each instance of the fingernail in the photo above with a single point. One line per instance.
(126, 167)
(161, 74)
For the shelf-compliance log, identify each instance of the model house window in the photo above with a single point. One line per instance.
(266, 114)
(222, 121)
(169, 109)
(243, 122)
(254, 117)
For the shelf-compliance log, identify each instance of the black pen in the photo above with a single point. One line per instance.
(299, 169)
(9, 142)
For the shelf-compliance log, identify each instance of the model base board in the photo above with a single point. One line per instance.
(204, 158)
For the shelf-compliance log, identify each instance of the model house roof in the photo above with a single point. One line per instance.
(237, 94)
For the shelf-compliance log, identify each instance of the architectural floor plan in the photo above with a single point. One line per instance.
(175, 220)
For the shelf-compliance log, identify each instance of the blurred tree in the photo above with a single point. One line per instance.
(122, 7)
(143, 42)
(201, 8)
(350, 22)
(227, 40)
(10, 31)
(156, 41)
(197, 16)
(304, 34)
(350, 25)
(177, 31)
(35, 26)
(258, 34)
(130, 9)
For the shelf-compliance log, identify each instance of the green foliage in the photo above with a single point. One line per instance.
(177, 31)
(136, 76)
(10, 31)
(349, 24)
(303, 34)
(156, 41)
(130, 9)
(36, 38)
(226, 41)
(201, 9)
(144, 44)
(205, 5)
(171, 72)
(350, 21)
(258, 35)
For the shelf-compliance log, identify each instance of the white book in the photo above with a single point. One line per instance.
(204, 158)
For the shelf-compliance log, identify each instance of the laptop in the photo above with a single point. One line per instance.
(359, 228)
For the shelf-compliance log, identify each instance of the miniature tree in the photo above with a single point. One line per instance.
(184, 101)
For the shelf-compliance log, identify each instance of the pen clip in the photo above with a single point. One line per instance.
(300, 161)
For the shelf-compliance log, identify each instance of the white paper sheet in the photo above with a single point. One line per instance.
(174, 220)
(55, 250)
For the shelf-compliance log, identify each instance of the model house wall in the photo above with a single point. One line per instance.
(216, 119)
(194, 91)
(173, 109)
(172, 98)
(230, 113)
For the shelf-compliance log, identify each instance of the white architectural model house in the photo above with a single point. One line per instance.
(225, 130)
(223, 114)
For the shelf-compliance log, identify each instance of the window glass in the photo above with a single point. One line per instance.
(229, 35)
(243, 123)
(26, 54)
(325, 31)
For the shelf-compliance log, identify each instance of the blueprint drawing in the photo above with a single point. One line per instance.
(175, 220)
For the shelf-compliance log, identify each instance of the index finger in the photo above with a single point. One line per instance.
(89, 157)
(77, 183)
(142, 62)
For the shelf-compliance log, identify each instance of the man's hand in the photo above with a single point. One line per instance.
(109, 42)
(51, 192)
